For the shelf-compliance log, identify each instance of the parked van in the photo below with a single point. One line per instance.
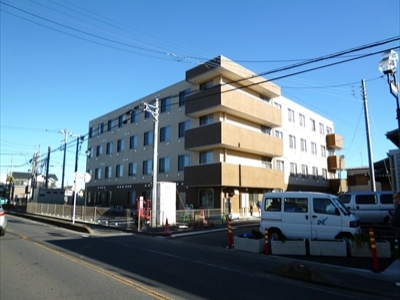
(370, 207)
(307, 215)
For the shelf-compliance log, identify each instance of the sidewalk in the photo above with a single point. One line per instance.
(380, 284)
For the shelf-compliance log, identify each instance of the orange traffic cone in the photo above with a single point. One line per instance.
(166, 228)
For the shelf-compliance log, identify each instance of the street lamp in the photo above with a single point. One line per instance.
(387, 66)
(154, 110)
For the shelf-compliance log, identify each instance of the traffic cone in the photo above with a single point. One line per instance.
(166, 228)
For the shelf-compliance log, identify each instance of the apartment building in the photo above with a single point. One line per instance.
(225, 136)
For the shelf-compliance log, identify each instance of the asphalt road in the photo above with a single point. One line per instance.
(39, 261)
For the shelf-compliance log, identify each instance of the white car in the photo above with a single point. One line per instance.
(3, 221)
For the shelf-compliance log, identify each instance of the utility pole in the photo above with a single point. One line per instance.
(371, 162)
(33, 173)
(48, 167)
(154, 110)
(65, 132)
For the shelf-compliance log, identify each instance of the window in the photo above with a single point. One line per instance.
(324, 174)
(312, 122)
(108, 172)
(386, 199)
(277, 105)
(315, 172)
(323, 151)
(148, 138)
(324, 206)
(182, 127)
(110, 125)
(302, 120)
(280, 165)
(206, 157)
(163, 166)
(90, 153)
(147, 167)
(121, 120)
(135, 116)
(183, 161)
(109, 148)
(120, 145)
(147, 114)
(292, 141)
(206, 85)
(99, 150)
(266, 130)
(165, 134)
(182, 96)
(290, 115)
(119, 171)
(206, 197)
(304, 171)
(91, 132)
(133, 142)
(313, 148)
(303, 145)
(296, 205)
(132, 169)
(165, 104)
(293, 169)
(206, 120)
(366, 199)
(278, 134)
(97, 173)
(101, 128)
(329, 130)
(321, 128)
(273, 204)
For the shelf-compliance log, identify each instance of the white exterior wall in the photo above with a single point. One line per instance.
(294, 128)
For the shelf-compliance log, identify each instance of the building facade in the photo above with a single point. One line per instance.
(225, 136)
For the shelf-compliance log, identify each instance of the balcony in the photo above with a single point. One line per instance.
(229, 136)
(221, 66)
(334, 141)
(233, 102)
(230, 175)
(335, 162)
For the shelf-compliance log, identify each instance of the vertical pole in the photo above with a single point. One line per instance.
(65, 131)
(266, 241)
(230, 242)
(371, 162)
(373, 249)
(395, 92)
(155, 167)
(48, 167)
(74, 209)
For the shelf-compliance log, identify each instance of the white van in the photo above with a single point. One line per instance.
(370, 207)
(307, 215)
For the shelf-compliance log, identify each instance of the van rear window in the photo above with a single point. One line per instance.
(366, 199)
(386, 199)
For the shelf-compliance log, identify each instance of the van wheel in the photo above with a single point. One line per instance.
(344, 236)
(275, 234)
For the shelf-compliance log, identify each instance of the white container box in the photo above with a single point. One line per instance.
(328, 248)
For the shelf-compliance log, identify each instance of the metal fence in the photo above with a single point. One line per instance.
(117, 216)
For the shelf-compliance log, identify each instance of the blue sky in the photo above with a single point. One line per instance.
(64, 63)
